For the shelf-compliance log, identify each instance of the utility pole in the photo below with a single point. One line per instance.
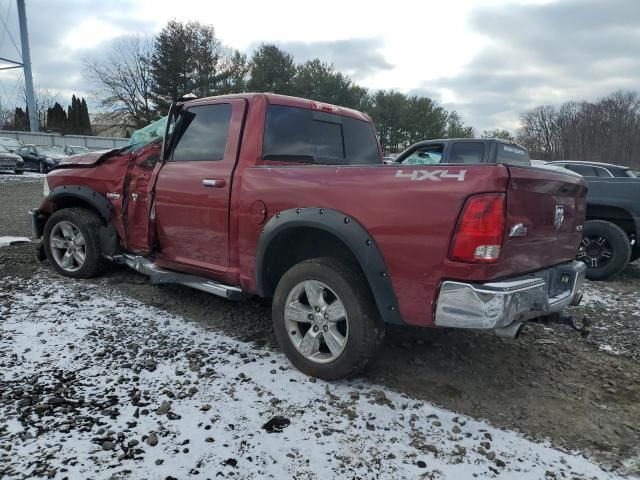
(26, 65)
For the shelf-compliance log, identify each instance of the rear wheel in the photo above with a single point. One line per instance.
(605, 248)
(18, 171)
(325, 318)
(72, 242)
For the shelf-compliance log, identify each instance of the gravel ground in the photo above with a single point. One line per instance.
(550, 384)
(95, 384)
(18, 195)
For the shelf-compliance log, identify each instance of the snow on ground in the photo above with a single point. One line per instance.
(26, 177)
(93, 384)
(6, 241)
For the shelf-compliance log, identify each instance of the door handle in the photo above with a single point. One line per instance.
(214, 182)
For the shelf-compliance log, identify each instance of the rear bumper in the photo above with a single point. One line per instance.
(504, 305)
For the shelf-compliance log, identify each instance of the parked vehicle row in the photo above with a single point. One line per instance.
(17, 156)
(271, 202)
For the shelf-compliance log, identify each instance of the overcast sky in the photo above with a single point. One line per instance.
(488, 59)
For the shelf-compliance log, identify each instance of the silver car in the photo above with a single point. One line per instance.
(10, 161)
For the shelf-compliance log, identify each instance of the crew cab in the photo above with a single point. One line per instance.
(287, 198)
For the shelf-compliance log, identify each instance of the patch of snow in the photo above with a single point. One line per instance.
(609, 349)
(120, 360)
(26, 177)
(6, 241)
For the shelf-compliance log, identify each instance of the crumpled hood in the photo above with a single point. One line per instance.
(86, 159)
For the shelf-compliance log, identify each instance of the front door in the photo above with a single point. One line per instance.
(194, 186)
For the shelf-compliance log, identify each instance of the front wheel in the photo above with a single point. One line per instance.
(605, 248)
(72, 242)
(325, 318)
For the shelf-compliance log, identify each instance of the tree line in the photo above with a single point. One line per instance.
(137, 80)
(52, 116)
(607, 130)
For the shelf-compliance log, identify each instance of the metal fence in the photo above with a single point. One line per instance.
(92, 143)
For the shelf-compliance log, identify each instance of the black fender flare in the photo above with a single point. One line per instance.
(86, 194)
(352, 234)
(108, 235)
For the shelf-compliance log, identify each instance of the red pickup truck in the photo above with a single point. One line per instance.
(269, 195)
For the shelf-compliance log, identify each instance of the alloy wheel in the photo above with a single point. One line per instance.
(68, 246)
(316, 321)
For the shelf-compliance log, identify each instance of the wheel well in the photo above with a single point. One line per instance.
(74, 202)
(296, 245)
(616, 215)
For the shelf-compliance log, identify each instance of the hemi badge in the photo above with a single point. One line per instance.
(113, 196)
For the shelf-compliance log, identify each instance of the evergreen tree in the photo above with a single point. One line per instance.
(272, 70)
(57, 118)
(85, 121)
(21, 120)
(186, 59)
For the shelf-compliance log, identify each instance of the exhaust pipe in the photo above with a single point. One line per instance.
(510, 331)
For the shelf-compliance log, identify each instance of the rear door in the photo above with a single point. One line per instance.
(545, 214)
(193, 187)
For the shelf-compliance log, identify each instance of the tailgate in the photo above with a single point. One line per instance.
(545, 214)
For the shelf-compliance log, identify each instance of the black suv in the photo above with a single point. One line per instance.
(611, 233)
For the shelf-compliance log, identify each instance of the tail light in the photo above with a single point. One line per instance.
(480, 230)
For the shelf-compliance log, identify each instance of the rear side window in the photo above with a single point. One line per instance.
(302, 135)
(584, 170)
(203, 133)
(512, 154)
(466, 152)
(603, 173)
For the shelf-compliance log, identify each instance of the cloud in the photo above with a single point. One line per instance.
(544, 54)
(61, 35)
(357, 57)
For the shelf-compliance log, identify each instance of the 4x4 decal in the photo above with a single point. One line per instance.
(434, 175)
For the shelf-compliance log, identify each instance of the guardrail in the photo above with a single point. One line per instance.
(40, 138)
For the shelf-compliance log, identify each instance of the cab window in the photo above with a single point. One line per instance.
(429, 155)
(467, 152)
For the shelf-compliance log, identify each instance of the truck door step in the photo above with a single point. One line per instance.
(159, 275)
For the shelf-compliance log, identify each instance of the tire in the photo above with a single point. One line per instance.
(364, 328)
(18, 172)
(605, 248)
(56, 232)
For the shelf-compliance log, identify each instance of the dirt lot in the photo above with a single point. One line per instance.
(549, 384)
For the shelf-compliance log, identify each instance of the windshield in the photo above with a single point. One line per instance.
(633, 174)
(78, 149)
(50, 150)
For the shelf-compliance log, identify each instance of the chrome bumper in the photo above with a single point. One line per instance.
(508, 303)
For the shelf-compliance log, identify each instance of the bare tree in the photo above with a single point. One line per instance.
(607, 130)
(122, 77)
